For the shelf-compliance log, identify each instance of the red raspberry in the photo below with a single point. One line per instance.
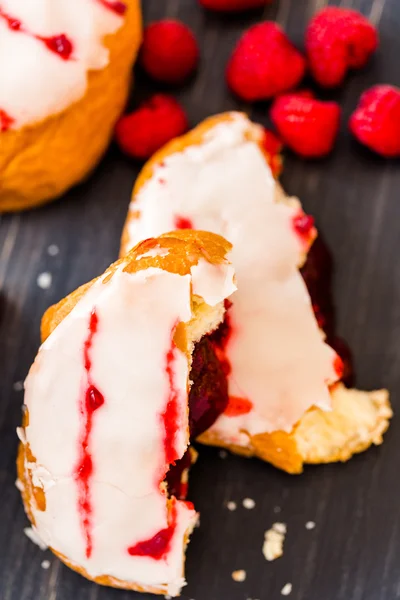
(308, 126)
(338, 39)
(376, 120)
(169, 51)
(233, 5)
(264, 63)
(152, 125)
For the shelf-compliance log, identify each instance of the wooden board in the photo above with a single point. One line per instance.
(353, 553)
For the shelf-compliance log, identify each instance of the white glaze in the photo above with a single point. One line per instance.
(37, 83)
(224, 185)
(128, 355)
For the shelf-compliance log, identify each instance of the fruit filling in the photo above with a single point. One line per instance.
(208, 399)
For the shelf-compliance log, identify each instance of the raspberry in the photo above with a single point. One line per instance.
(233, 5)
(169, 51)
(376, 120)
(308, 126)
(264, 63)
(338, 39)
(152, 125)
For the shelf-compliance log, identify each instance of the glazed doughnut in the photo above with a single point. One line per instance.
(65, 71)
(284, 405)
(106, 416)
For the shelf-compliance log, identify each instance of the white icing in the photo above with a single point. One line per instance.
(224, 185)
(128, 360)
(36, 82)
(213, 282)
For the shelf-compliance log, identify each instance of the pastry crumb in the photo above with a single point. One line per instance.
(277, 509)
(239, 575)
(222, 453)
(44, 280)
(18, 386)
(310, 525)
(45, 564)
(287, 589)
(53, 250)
(249, 503)
(231, 505)
(273, 541)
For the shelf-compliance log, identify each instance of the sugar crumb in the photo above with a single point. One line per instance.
(223, 454)
(287, 589)
(231, 505)
(239, 575)
(249, 503)
(273, 541)
(53, 250)
(277, 509)
(44, 280)
(45, 564)
(18, 386)
(310, 525)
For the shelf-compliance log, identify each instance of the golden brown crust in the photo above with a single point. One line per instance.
(194, 137)
(39, 162)
(358, 419)
(184, 249)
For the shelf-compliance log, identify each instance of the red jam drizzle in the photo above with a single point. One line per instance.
(159, 545)
(238, 406)
(119, 8)
(59, 44)
(90, 402)
(170, 416)
(183, 223)
(5, 121)
(304, 227)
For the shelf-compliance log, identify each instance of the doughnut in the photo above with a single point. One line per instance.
(286, 368)
(125, 378)
(65, 71)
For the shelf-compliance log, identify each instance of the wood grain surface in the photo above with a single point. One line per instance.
(354, 551)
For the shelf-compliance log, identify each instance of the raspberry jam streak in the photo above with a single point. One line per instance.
(58, 44)
(170, 417)
(183, 223)
(91, 401)
(5, 120)
(118, 7)
(159, 545)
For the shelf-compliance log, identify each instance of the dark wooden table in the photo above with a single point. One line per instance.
(354, 551)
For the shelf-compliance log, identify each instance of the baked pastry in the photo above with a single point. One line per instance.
(106, 412)
(65, 71)
(284, 406)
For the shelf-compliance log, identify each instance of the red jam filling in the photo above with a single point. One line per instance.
(317, 273)
(304, 227)
(5, 120)
(159, 545)
(238, 406)
(183, 223)
(208, 397)
(59, 44)
(118, 7)
(170, 416)
(91, 401)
